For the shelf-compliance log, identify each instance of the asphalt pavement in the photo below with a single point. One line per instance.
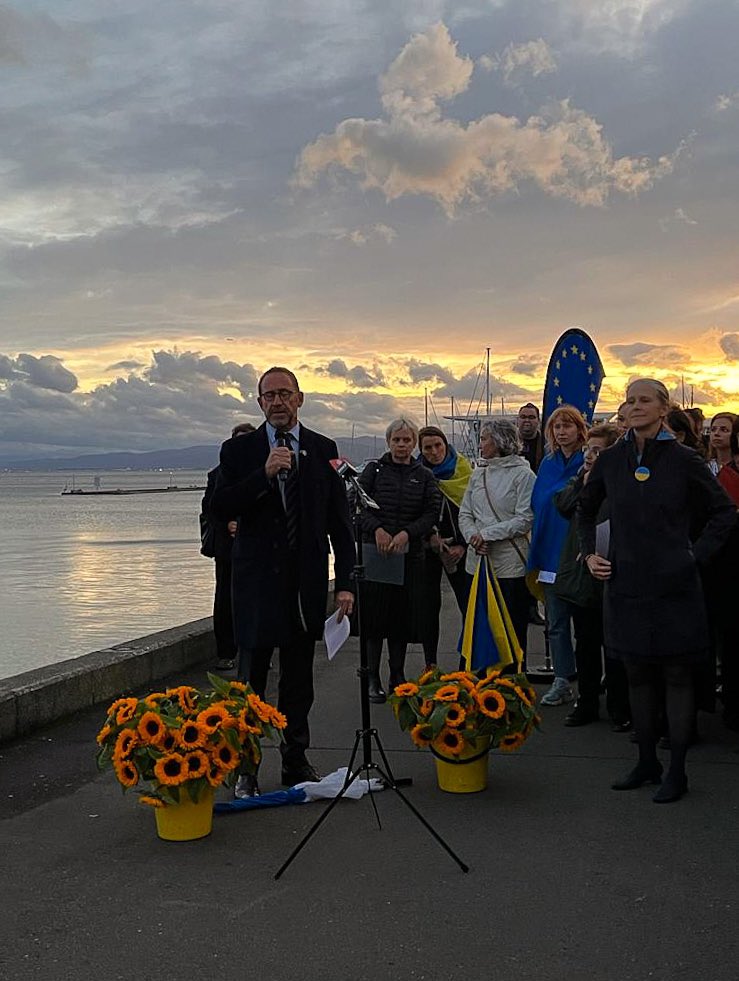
(568, 880)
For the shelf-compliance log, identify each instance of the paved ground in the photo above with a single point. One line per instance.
(568, 879)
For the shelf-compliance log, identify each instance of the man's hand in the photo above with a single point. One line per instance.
(344, 604)
(600, 568)
(232, 526)
(383, 540)
(479, 544)
(280, 458)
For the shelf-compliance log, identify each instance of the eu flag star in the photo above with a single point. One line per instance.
(574, 349)
(590, 369)
(558, 365)
(592, 387)
(556, 382)
(564, 352)
(560, 400)
(582, 356)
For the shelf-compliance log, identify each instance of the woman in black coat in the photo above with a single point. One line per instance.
(658, 492)
(410, 501)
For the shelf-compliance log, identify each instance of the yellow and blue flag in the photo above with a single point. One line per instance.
(488, 637)
(574, 375)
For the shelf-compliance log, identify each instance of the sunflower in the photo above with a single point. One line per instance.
(258, 707)
(462, 677)
(170, 770)
(523, 696)
(126, 772)
(124, 709)
(151, 729)
(152, 701)
(127, 739)
(212, 718)
(151, 801)
(196, 764)
(426, 707)
(422, 735)
(447, 693)
(245, 726)
(224, 756)
(491, 703)
(215, 775)
(490, 676)
(512, 741)
(237, 686)
(170, 741)
(193, 734)
(449, 742)
(455, 715)
(186, 695)
(103, 734)
(506, 683)
(277, 719)
(407, 689)
(426, 676)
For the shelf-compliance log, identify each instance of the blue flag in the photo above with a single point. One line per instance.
(574, 376)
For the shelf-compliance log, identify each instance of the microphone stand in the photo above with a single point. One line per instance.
(368, 734)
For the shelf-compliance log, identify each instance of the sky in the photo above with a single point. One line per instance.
(372, 194)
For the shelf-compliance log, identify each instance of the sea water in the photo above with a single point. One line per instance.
(79, 573)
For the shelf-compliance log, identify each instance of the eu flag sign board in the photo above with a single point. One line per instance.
(574, 375)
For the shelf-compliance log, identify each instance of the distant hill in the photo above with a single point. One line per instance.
(188, 458)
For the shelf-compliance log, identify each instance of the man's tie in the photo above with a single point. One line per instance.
(292, 500)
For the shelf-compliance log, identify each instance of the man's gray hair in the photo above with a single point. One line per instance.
(401, 423)
(504, 434)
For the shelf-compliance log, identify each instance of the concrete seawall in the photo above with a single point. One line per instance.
(37, 698)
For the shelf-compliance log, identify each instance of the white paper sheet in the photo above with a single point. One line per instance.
(335, 633)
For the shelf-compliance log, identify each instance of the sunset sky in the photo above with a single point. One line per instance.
(369, 193)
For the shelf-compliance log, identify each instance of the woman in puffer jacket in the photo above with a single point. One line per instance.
(495, 516)
(409, 502)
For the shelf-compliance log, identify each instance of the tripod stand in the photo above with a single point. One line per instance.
(367, 735)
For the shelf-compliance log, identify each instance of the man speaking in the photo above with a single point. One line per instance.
(290, 502)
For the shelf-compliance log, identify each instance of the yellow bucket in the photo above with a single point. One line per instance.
(186, 821)
(466, 773)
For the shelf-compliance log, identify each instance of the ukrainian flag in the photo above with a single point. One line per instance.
(488, 637)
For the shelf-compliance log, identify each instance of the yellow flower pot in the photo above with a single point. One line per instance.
(186, 821)
(466, 773)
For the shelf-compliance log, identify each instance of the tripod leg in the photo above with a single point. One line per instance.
(350, 778)
(393, 786)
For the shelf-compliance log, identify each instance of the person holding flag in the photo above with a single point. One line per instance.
(495, 517)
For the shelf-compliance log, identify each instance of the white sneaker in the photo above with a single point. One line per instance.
(559, 694)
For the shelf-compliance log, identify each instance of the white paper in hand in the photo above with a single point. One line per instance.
(335, 633)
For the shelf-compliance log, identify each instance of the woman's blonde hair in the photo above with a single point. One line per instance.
(569, 414)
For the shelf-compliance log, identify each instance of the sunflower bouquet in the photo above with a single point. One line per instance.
(183, 739)
(449, 712)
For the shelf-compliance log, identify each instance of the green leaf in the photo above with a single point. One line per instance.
(219, 684)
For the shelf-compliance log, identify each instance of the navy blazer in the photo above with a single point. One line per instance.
(264, 568)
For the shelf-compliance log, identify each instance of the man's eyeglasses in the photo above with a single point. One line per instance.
(283, 394)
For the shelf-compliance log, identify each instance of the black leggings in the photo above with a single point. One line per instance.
(645, 686)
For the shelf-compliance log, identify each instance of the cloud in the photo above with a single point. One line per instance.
(472, 386)
(529, 364)
(656, 355)
(44, 372)
(623, 27)
(368, 233)
(724, 103)
(416, 150)
(517, 61)
(358, 376)
(178, 369)
(33, 38)
(729, 344)
(678, 217)
(125, 366)
(424, 371)
(703, 393)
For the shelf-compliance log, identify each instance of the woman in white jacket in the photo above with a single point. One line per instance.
(495, 516)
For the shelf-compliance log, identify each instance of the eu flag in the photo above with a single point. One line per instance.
(488, 637)
(574, 375)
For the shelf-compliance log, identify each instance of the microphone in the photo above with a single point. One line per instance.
(349, 473)
(281, 439)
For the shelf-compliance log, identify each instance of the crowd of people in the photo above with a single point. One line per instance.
(623, 530)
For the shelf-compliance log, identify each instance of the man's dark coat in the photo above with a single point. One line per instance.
(264, 569)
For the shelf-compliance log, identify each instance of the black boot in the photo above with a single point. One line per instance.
(643, 772)
(374, 652)
(396, 657)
